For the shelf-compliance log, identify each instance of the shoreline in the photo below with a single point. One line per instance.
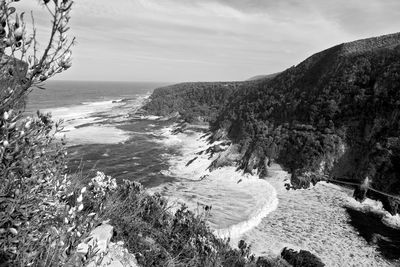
(250, 225)
(239, 201)
(316, 219)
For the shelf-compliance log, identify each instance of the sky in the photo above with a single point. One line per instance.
(210, 40)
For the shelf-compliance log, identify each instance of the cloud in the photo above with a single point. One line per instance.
(176, 40)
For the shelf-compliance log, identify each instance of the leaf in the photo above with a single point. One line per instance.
(11, 10)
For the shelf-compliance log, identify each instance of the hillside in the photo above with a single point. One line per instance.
(197, 101)
(336, 113)
(262, 77)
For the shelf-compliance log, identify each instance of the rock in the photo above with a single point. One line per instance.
(116, 256)
(101, 236)
(108, 253)
(301, 258)
(82, 248)
(360, 194)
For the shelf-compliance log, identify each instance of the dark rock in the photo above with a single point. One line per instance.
(371, 227)
(191, 161)
(303, 258)
(360, 193)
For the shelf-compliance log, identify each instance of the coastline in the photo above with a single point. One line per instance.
(268, 227)
(243, 190)
(238, 201)
(314, 219)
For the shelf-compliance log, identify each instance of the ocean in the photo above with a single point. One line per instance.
(100, 132)
(104, 134)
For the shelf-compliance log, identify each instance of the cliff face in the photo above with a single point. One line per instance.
(336, 113)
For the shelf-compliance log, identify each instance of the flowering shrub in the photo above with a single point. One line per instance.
(158, 237)
(101, 185)
(37, 224)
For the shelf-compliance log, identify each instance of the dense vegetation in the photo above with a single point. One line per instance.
(200, 101)
(336, 113)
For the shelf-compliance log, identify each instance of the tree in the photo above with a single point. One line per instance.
(24, 63)
(41, 220)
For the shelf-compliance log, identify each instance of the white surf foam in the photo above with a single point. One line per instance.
(239, 201)
(313, 219)
(375, 206)
(91, 122)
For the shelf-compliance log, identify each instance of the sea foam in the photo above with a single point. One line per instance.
(94, 122)
(238, 201)
(376, 207)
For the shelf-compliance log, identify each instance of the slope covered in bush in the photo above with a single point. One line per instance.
(336, 113)
(159, 237)
(193, 101)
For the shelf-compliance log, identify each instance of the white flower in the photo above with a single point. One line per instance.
(66, 220)
(79, 199)
(80, 207)
(28, 124)
(71, 211)
(83, 190)
(6, 115)
(19, 32)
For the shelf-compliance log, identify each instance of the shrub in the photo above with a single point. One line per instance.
(39, 225)
(160, 237)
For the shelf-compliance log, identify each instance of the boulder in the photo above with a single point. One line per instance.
(107, 253)
(101, 237)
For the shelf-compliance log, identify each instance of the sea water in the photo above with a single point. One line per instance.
(103, 134)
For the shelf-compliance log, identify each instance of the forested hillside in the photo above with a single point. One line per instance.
(334, 115)
(337, 114)
(193, 101)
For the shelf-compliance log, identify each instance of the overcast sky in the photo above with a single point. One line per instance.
(209, 40)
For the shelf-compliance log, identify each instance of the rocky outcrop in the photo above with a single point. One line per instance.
(102, 252)
(302, 258)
